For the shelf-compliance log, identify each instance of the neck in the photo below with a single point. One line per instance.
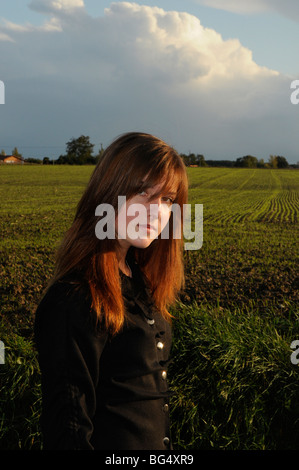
(125, 269)
(121, 256)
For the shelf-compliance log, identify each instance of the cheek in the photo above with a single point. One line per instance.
(122, 221)
(164, 218)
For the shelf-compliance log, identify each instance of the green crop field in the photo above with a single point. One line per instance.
(235, 385)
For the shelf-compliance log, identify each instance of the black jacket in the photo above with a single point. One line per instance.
(100, 392)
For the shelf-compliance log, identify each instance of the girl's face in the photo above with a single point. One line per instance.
(143, 218)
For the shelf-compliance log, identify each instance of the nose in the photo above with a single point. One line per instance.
(156, 202)
(157, 209)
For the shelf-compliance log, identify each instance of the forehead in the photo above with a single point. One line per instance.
(163, 186)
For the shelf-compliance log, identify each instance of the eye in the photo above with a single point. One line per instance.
(142, 193)
(168, 200)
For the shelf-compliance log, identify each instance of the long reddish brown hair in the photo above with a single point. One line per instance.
(120, 171)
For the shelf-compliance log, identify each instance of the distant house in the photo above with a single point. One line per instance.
(11, 159)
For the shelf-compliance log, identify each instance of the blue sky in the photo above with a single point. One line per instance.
(210, 77)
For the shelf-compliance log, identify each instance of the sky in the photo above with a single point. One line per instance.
(207, 76)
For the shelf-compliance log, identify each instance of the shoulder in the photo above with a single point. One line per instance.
(65, 304)
(66, 290)
(64, 330)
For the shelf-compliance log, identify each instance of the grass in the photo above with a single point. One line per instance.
(20, 393)
(235, 385)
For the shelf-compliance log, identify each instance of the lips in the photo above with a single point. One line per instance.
(149, 227)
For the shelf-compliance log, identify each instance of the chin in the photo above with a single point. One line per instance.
(142, 243)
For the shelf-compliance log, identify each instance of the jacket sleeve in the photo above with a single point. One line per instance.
(69, 352)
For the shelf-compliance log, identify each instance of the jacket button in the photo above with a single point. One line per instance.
(166, 441)
(160, 345)
(164, 374)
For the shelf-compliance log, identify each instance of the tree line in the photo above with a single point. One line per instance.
(248, 161)
(79, 151)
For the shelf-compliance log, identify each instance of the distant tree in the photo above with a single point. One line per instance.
(46, 161)
(16, 153)
(276, 161)
(248, 161)
(201, 160)
(66, 160)
(192, 159)
(281, 162)
(79, 151)
(272, 161)
(3, 152)
(33, 160)
(220, 163)
(261, 163)
(184, 157)
(99, 154)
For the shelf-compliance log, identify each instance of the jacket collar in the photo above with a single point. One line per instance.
(136, 288)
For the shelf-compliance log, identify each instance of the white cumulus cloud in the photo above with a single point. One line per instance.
(176, 44)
